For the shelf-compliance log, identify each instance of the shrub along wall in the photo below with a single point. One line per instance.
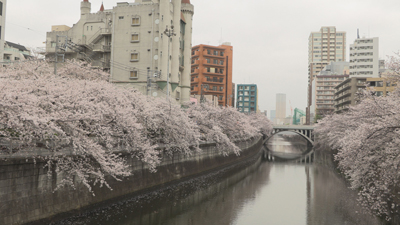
(27, 192)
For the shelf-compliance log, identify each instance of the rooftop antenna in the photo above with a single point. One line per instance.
(358, 34)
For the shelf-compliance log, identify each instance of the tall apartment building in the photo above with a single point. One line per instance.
(135, 42)
(247, 98)
(211, 72)
(323, 88)
(324, 46)
(364, 57)
(3, 6)
(280, 116)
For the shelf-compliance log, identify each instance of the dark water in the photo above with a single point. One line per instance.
(265, 193)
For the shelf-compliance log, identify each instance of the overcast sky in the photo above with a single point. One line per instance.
(270, 38)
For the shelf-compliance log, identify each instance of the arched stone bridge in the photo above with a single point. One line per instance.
(303, 130)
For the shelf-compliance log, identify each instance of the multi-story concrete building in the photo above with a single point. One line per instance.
(3, 6)
(364, 57)
(211, 72)
(145, 44)
(324, 46)
(280, 108)
(323, 88)
(15, 52)
(247, 98)
(345, 93)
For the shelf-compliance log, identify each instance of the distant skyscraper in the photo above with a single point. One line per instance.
(324, 46)
(280, 108)
(273, 116)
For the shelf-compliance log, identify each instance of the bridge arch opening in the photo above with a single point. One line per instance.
(288, 145)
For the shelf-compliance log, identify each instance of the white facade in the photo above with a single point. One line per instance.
(15, 52)
(364, 57)
(129, 41)
(3, 6)
(280, 109)
(325, 46)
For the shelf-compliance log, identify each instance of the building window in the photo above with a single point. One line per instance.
(135, 38)
(121, 17)
(221, 53)
(221, 62)
(215, 61)
(240, 93)
(136, 21)
(252, 98)
(253, 93)
(208, 52)
(133, 74)
(192, 88)
(215, 88)
(220, 97)
(221, 88)
(240, 87)
(208, 60)
(253, 88)
(134, 57)
(246, 104)
(1, 8)
(246, 93)
(215, 52)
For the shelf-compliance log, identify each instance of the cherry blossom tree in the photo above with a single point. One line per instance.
(367, 141)
(86, 124)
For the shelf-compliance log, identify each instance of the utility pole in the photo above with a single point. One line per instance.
(169, 33)
(202, 92)
(56, 53)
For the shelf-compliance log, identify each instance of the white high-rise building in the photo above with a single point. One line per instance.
(280, 108)
(325, 46)
(364, 57)
(3, 4)
(135, 43)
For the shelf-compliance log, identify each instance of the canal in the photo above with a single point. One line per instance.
(273, 193)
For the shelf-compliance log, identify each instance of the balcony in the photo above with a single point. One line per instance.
(195, 71)
(101, 48)
(212, 81)
(214, 91)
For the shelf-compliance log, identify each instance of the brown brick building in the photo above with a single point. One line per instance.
(212, 71)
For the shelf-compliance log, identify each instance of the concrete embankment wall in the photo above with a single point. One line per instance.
(27, 192)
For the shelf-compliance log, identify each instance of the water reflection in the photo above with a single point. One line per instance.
(287, 145)
(263, 193)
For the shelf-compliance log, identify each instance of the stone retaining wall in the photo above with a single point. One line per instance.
(26, 191)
